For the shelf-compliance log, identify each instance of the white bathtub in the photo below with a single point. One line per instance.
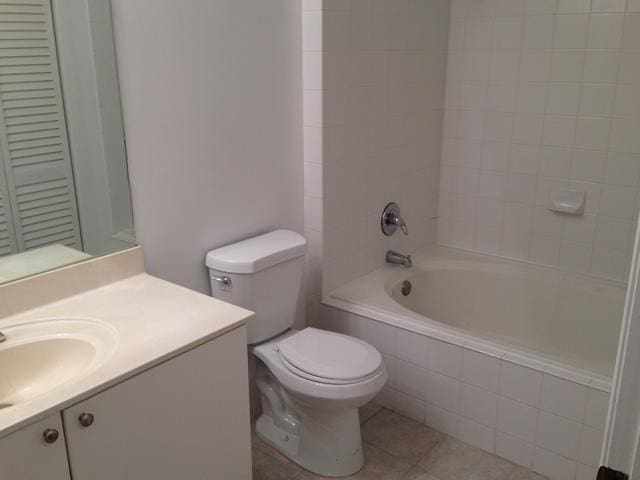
(513, 358)
(544, 314)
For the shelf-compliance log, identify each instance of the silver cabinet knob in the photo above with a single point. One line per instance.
(86, 419)
(50, 435)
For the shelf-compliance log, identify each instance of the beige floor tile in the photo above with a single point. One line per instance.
(523, 474)
(378, 465)
(454, 460)
(264, 447)
(400, 436)
(368, 411)
(392, 449)
(266, 467)
(418, 473)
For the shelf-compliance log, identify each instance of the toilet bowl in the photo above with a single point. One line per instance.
(311, 381)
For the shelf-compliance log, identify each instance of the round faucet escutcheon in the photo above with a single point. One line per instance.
(392, 220)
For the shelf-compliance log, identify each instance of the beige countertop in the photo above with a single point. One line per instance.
(155, 320)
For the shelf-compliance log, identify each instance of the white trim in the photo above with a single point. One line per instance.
(620, 444)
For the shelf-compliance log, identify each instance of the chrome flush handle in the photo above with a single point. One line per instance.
(223, 280)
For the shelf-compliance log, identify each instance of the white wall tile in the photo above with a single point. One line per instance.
(590, 446)
(445, 358)
(601, 66)
(596, 409)
(409, 406)
(443, 392)
(476, 434)
(517, 419)
(605, 31)
(559, 435)
(410, 379)
(479, 405)
(567, 65)
(584, 472)
(552, 82)
(559, 131)
(381, 336)
(541, 7)
(520, 383)
(386, 398)
(514, 449)
(373, 76)
(412, 347)
(571, 31)
(481, 370)
(508, 32)
(597, 99)
(563, 398)
(553, 465)
(574, 6)
(539, 31)
(390, 364)
(631, 38)
(592, 133)
(563, 98)
(442, 420)
(604, 6)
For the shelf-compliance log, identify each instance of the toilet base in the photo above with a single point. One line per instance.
(327, 443)
(319, 448)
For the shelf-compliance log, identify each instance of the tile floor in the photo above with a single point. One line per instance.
(397, 448)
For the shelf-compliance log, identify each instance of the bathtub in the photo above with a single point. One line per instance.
(512, 357)
(545, 314)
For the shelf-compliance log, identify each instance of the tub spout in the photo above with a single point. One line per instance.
(399, 259)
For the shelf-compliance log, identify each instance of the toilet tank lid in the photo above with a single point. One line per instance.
(257, 253)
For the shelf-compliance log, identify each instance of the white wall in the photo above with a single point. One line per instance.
(212, 101)
(374, 77)
(542, 95)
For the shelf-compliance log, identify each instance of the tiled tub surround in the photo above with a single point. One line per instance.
(523, 406)
(542, 94)
(374, 74)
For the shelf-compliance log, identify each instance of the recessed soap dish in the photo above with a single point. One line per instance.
(570, 202)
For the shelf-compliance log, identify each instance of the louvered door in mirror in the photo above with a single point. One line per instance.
(33, 136)
(64, 192)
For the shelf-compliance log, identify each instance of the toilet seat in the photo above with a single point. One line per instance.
(328, 357)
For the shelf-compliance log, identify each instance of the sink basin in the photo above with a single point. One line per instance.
(39, 357)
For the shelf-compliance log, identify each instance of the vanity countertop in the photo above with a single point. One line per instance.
(154, 320)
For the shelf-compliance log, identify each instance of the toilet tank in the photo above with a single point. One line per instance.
(262, 274)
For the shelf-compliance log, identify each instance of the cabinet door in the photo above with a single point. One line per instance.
(24, 455)
(186, 419)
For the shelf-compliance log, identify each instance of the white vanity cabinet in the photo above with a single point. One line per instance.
(36, 452)
(186, 418)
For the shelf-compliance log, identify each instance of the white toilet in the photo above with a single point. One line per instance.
(312, 382)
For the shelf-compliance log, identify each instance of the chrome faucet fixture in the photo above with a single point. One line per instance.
(3, 337)
(399, 259)
(392, 220)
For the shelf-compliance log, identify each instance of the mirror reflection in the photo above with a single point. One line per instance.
(64, 189)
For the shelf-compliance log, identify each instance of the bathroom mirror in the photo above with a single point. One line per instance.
(64, 188)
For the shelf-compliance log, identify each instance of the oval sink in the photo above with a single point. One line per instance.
(41, 356)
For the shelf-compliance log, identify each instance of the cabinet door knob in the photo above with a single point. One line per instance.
(50, 435)
(86, 419)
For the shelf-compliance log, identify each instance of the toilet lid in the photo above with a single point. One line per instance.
(329, 355)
